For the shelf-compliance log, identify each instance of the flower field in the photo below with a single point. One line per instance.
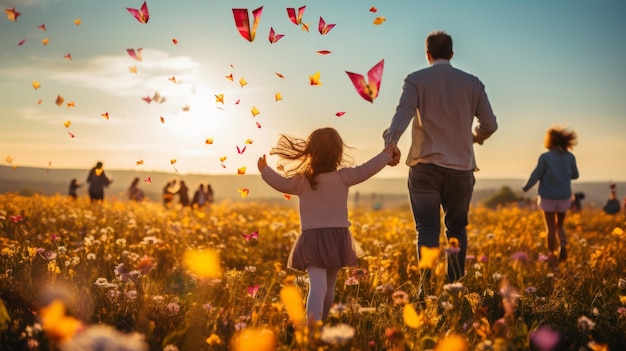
(136, 276)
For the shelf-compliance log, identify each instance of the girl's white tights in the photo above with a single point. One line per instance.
(321, 292)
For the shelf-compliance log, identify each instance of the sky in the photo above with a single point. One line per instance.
(543, 63)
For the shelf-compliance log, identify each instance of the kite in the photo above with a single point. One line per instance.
(323, 52)
(12, 15)
(230, 77)
(142, 15)
(147, 99)
(373, 9)
(369, 90)
(67, 123)
(77, 21)
(241, 170)
(315, 79)
(42, 27)
(135, 54)
(277, 96)
(279, 75)
(71, 104)
(71, 135)
(255, 111)
(253, 235)
(172, 79)
(162, 119)
(222, 158)
(21, 42)
(45, 41)
(172, 161)
(379, 20)
(105, 115)
(273, 37)
(139, 163)
(296, 19)
(36, 84)
(132, 69)
(244, 193)
(242, 82)
(175, 41)
(59, 100)
(219, 98)
(305, 26)
(248, 141)
(242, 21)
(241, 151)
(323, 27)
(68, 56)
(339, 114)
(149, 181)
(258, 125)
(208, 141)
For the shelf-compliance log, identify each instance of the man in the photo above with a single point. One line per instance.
(443, 103)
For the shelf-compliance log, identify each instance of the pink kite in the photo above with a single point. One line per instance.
(296, 19)
(368, 90)
(323, 27)
(242, 21)
(142, 15)
(135, 54)
(273, 37)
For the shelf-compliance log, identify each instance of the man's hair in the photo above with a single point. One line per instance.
(439, 45)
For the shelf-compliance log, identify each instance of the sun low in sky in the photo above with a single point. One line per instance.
(208, 86)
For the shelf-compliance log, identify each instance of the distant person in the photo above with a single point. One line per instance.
(168, 192)
(612, 205)
(450, 113)
(554, 172)
(97, 180)
(314, 171)
(134, 193)
(183, 194)
(199, 197)
(74, 185)
(577, 199)
(210, 195)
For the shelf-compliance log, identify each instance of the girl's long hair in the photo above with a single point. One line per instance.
(560, 138)
(322, 152)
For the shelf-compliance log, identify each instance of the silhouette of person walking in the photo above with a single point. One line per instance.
(183, 194)
(97, 180)
(74, 185)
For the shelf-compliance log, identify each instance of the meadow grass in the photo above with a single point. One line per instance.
(122, 265)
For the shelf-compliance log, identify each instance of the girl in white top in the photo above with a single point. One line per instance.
(315, 170)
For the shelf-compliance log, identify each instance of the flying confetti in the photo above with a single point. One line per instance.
(369, 90)
(273, 37)
(296, 19)
(242, 21)
(142, 15)
(12, 15)
(323, 27)
(315, 79)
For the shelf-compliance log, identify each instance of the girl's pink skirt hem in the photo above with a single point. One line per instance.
(324, 248)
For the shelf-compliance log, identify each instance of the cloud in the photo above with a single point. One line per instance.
(111, 75)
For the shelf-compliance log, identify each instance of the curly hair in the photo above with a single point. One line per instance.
(322, 152)
(560, 138)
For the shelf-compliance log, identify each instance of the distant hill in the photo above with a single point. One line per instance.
(390, 192)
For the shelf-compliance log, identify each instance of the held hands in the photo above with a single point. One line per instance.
(395, 153)
(262, 163)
